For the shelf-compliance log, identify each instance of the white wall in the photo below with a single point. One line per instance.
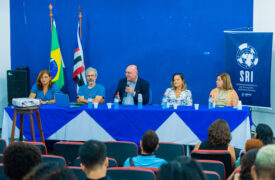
(264, 21)
(4, 53)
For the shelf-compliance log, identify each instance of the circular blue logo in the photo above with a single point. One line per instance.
(247, 56)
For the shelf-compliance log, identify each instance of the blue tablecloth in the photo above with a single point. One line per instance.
(129, 123)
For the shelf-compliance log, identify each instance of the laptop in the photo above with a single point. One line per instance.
(62, 100)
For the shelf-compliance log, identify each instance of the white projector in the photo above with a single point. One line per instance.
(25, 102)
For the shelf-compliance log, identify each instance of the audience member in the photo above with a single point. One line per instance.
(264, 166)
(183, 168)
(148, 145)
(264, 133)
(94, 161)
(219, 138)
(19, 158)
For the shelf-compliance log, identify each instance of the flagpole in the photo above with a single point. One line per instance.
(51, 16)
(80, 22)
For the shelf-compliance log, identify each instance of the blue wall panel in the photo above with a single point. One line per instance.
(160, 36)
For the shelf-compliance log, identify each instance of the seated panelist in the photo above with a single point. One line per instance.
(179, 94)
(224, 94)
(44, 89)
(93, 89)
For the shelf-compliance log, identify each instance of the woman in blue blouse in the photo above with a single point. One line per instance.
(44, 89)
(179, 94)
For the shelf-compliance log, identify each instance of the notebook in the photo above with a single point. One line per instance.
(62, 100)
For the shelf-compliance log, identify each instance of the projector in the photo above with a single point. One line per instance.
(25, 102)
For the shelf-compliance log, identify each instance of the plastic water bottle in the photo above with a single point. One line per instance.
(139, 101)
(116, 102)
(164, 102)
(210, 102)
(90, 102)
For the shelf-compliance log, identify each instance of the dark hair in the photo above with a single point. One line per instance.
(184, 85)
(264, 133)
(92, 154)
(19, 158)
(183, 168)
(51, 171)
(219, 133)
(150, 141)
(246, 163)
(39, 84)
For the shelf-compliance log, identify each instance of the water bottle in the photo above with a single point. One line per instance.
(210, 102)
(139, 101)
(164, 102)
(90, 102)
(116, 102)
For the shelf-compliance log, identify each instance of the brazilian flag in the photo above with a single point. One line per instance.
(56, 64)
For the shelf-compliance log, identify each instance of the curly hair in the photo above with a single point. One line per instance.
(39, 84)
(19, 158)
(219, 133)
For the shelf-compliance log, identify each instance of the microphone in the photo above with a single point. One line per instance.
(125, 93)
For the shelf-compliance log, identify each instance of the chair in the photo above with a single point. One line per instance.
(112, 162)
(169, 151)
(120, 150)
(2, 174)
(41, 146)
(52, 158)
(211, 175)
(218, 155)
(78, 172)
(1, 158)
(68, 150)
(131, 173)
(211, 165)
(3, 145)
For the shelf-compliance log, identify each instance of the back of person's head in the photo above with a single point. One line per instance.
(265, 163)
(264, 133)
(253, 144)
(93, 154)
(150, 141)
(19, 158)
(246, 163)
(219, 133)
(183, 168)
(50, 171)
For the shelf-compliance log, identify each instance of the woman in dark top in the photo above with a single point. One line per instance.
(219, 138)
(264, 133)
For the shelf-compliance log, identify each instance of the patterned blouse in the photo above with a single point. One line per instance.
(185, 98)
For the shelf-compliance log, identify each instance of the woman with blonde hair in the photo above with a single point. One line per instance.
(224, 94)
(44, 89)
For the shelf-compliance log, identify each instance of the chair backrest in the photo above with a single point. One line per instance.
(52, 158)
(78, 172)
(219, 155)
(131, 173)
(169, 151)
(41, 145)
(112, 162)
(2, 174)
(68, 150)
(120, 150)
(1, 158)
(211, 175)
(3, 145)
(212, 165)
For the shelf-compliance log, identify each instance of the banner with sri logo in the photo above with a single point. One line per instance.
(248, 62)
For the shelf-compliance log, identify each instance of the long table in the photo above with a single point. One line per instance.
(184, 125)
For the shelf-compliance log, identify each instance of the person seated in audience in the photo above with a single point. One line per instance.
(264, 166)
(183, 168)
(94, 161)
(91, 89)
(128, 88)
(219, 137)
(44, 89)
(264, 133)
(148, 145)
(224, 94)
(19, 158)
(179, 94)
(50, 171)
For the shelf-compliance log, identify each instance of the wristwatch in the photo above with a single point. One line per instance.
(47, 102)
